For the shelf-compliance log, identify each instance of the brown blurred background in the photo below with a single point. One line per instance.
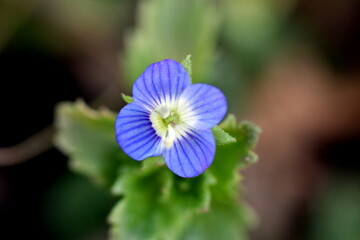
(292, 67)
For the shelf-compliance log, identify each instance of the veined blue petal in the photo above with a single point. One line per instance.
(161, 82)
(192, 154)
(135, 134)
(202, 106)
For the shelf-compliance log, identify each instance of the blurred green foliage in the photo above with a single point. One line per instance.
(336, 210)
(252, 30)
(87, 136)
(76, 209)
(171, 29)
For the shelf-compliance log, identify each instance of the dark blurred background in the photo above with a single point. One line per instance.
(291, 66)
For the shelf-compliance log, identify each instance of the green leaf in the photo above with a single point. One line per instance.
(229, 122)
(157, 204)
(186, 63)
(141, 214)
(228, 217)
(223, 221)
(250, 133)
(230, 158)
(222, 137)
(153, 162)
(127, 99)
(87, 137)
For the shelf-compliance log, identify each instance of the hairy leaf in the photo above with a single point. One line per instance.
(227, 220)
(159, 205)
(222, 137)
(127, 99)
(87, 137)
(155, 203)
(186, 63)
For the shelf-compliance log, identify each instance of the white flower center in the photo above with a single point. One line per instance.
(171, 121)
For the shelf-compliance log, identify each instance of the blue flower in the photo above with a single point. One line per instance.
(171, 117)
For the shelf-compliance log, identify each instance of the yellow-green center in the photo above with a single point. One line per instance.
(172, 119)
(164, 122)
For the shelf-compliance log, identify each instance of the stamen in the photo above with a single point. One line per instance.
(164, 111)
(165, 121)
(170, 138)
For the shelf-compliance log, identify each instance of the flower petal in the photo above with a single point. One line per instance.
(202, 106)
(161, 82)
(192, 154)
(134, 133)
